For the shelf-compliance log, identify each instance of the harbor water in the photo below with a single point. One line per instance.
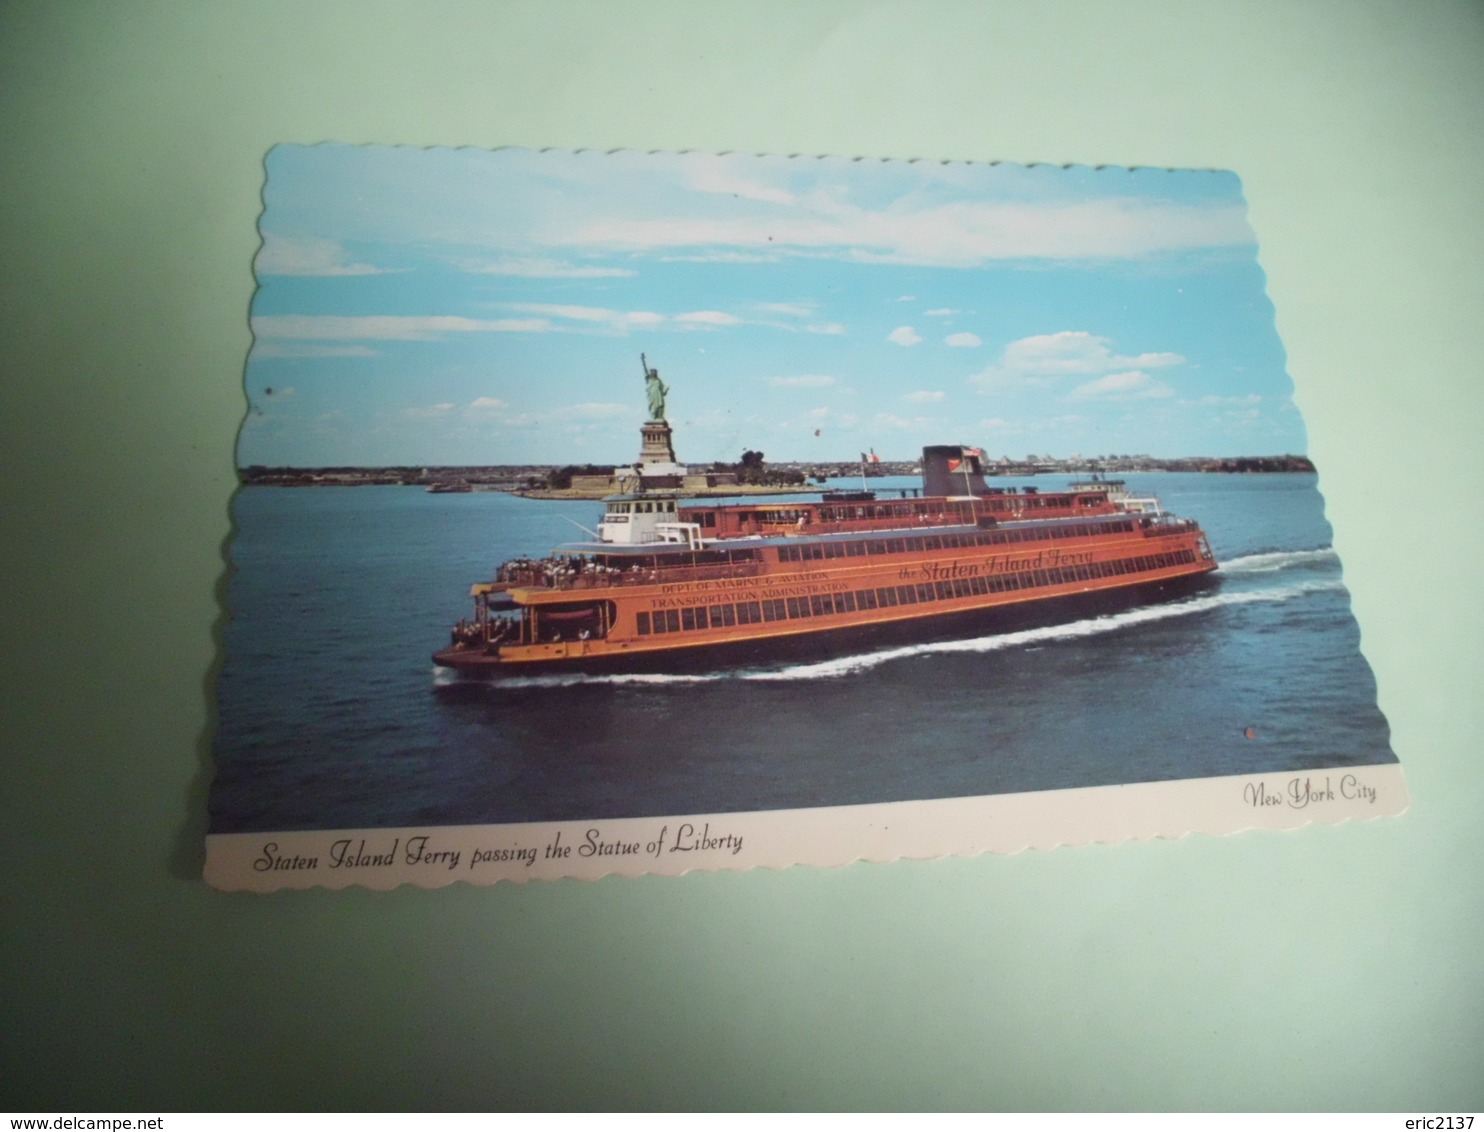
(333, 716)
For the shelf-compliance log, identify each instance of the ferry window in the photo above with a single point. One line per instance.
(834, 550)
(932, 542)
(943, 590)
(960, 587)
(907, 595)
(644, 624)
(774, 610)
(886, 596)
(876, 546)
(754, 611)
(977, 585)
(688, 618)
(914, 545)
(1011, 581)
(818, 607)
(723, 615)
(855, 549)
(669, 505)
(896, 546)
(1041, 579)
(924, 592)
(788, 554)
(865, 599)
(1084, 574)
(797, 608)
(845, 603)
(813, 551)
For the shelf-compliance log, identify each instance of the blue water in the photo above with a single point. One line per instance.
(333, 715)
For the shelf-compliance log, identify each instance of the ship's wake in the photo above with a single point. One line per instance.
(1072, 630)
(1274, 561)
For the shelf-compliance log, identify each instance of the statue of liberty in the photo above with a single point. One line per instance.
(655, 389)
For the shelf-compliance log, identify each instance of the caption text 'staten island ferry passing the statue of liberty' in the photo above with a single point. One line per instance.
(671, 584)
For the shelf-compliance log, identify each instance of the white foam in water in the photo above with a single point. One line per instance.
(842, 666)
(1278, 560)
(848, 665)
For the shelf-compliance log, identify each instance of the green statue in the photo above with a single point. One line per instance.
(655, 389)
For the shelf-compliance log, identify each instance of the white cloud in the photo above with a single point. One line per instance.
(581, 314)
(708, 318)
(306, 255)
(536, 268)
(1130, 385)
(717, 174)
(964, 339)
(279, 349)
(942, 312)
(824, 328)
(904, 336)
(1043, 358)
(923, 396)
(722, 257)
(610, 321)
(802, 381)
(795, 310)
(906, 298)
(487, 404)
(349, 328)
(960, 234)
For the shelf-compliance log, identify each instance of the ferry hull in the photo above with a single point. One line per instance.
(827, 643)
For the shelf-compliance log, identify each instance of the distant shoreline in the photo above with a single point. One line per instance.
(527, 479)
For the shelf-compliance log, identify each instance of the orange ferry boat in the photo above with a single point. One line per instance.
(668, 582)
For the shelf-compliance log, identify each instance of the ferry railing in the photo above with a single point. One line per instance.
(594, 578)
(1164, 528)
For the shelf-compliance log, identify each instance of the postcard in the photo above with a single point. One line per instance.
(622, 513)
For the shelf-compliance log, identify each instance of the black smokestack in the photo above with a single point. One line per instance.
(951, 469)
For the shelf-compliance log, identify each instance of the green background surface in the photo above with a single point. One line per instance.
(1331, 968)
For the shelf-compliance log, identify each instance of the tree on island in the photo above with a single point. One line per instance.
(559, 479)
(752, 469)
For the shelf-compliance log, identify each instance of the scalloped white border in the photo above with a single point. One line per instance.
(435, 856)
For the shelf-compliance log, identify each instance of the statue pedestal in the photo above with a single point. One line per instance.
(656, 468)
(657, 446)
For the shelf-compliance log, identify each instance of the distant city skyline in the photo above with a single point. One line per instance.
(489, 307)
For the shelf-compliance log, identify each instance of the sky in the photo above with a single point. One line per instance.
(463, 306)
